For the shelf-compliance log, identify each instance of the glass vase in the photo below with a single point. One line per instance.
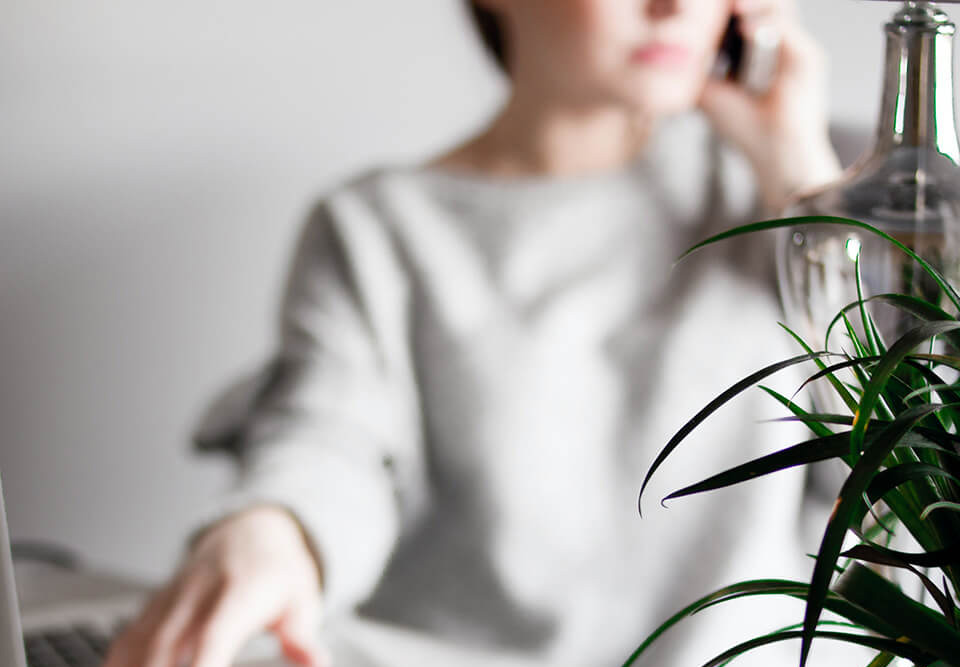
(907, 184)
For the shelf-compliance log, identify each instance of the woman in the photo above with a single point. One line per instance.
(479, 357)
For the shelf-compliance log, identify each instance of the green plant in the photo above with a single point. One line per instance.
(900, 441)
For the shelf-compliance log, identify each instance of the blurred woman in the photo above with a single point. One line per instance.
(480, 356)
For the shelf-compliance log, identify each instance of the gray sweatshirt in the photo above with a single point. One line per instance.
(472, 377)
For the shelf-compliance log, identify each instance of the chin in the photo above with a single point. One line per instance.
(662, 95)
(662, 105)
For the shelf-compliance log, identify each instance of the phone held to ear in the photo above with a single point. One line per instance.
(750, 63)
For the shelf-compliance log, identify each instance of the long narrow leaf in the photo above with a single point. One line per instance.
(949, 555)
(811, 451)
(838, 387)
(952, 361)
(850, 496)
(869, 553)
(814, 424)
(885, 368)
(947, 443)
(858, 347)
(767, 587)
(742, 589)
(932, 377)
(809, 418)
(796, 626)
(829, 370)
(901, 649)
(942, 504)
(929, 389)
(915, 472)
(921, 437)
(831, 220)
(891, 478)
(926, 628)
(882, 660)
(923, 310)
(872, 345)
(712, 407)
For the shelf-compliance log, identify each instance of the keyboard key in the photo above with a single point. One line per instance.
(79, 646)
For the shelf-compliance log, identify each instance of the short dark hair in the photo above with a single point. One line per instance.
(491, 28)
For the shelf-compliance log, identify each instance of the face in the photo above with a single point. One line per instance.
(649, 55)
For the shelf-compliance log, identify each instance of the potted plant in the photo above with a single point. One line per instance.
(900, 440)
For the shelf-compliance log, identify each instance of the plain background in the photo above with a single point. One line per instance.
(156, 161)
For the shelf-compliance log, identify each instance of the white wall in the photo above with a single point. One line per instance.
(155, 161)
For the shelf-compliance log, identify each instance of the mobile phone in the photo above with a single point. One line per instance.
(750, 63)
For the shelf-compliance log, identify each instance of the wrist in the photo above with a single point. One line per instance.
(269, 524)
(294, 528)
(310, 548)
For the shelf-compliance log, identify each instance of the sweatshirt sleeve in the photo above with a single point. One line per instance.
(330, 427)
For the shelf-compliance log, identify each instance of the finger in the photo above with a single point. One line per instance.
(750, 8)
(187, 643)
(127, 648)
(168, 637)
(795, 41)
(297, 632)
(234, 618)
(156, 607)
(121, 653)
(722, 100)
(769, 24)
(801, 63)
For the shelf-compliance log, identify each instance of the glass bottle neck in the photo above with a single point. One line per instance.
(918, 106)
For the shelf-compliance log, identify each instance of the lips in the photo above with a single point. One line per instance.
(662, 54)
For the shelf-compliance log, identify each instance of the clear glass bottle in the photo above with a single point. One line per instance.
(908, 184)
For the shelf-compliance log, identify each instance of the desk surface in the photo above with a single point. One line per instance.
(359, 642)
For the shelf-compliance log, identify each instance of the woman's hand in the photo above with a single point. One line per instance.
(249, 572)
(783, 132)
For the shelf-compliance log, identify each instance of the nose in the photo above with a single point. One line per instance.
(662, 8)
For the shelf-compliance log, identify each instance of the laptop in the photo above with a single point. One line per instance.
(11, 634)
(67, 619)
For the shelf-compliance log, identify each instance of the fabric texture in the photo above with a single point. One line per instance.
(472, 377)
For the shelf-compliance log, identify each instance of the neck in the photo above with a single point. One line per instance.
(918, 108)
(533, 138)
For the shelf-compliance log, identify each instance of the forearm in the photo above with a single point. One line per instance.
(795, 167)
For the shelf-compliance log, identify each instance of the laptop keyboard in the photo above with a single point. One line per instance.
(79, 646)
